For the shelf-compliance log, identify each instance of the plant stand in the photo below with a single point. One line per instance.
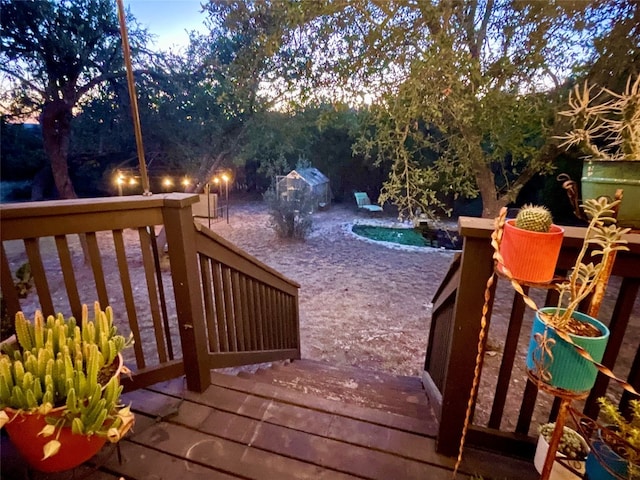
(588, 427)
(566, 397)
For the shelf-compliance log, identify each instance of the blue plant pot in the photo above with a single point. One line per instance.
(602, 453)
(560, 365)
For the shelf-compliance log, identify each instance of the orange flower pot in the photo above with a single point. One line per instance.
(23, 431)
(530, 256)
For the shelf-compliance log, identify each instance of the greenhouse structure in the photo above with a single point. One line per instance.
(290, 187)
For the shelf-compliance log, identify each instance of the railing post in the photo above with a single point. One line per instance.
(476, 267)
(181, 241)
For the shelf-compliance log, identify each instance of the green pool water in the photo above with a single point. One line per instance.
(402, 236)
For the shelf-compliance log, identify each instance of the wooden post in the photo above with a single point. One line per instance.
(183, 256)
(475, 269)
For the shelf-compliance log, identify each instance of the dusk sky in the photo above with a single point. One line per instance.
(169, 20)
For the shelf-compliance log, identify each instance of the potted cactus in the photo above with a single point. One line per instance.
(573, 449)
(606, 126)
(60, 388)
(530, 245)
(551, 356)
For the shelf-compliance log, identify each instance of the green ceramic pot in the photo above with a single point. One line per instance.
(566, 368)
(604, 177)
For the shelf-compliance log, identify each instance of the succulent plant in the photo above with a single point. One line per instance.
(614, 122)
(534, 218)
(62, 364)
(572, 445)
(603, 234)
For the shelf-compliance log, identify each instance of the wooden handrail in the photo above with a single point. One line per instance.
(259, 304)
(240, 255)
(264, 316)
(455, 327)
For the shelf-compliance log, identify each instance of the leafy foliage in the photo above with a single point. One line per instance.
(466, 81)
(572, 445)
(61, 363)
(290, 217)
(628, 428)
(53, 53)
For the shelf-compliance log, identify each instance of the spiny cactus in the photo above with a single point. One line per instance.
(59, 364)
(534, 218)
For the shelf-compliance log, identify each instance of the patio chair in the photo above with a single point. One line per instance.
(363, 201)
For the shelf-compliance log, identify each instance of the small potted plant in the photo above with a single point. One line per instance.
(531, 245)
(60, 388)
(606, 126)
(572, 448)
(617, 447)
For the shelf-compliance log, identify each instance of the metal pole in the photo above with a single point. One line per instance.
(226, 189)
(208, 204)
(134, 101)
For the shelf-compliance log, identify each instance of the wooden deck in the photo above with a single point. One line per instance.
(300, 420)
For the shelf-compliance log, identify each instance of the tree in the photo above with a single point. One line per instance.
(54, 54)
(471, 81)
(202, 104)
(195, 116)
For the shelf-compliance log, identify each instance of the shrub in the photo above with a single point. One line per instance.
(290, 217)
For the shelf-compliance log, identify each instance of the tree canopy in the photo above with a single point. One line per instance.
(472, 81)
(54, 53)
(431, 100)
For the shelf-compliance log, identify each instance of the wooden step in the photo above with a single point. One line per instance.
(247, 383)
(312, 367)
(342, 370)
(258, 430)
(350, 388)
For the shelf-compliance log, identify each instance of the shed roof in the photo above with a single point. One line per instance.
(311, 175)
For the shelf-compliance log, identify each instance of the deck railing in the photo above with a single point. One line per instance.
(204, 305)
(509, 407)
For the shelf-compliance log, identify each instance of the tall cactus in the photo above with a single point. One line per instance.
(58, 364)
(534, 218)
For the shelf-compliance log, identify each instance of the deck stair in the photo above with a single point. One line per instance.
(399, 395)
(294, 420)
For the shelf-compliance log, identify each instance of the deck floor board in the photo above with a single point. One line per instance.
(266, 426)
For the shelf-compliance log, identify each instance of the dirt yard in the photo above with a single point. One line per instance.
(362, 303)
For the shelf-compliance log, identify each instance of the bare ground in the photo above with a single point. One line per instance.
(362, 303)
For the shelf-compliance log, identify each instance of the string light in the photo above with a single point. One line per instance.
(123, 179)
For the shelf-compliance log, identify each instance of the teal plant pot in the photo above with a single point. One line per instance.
(560, 365)
(604, 177)
(599, 456)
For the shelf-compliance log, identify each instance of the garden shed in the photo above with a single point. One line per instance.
(290, 187)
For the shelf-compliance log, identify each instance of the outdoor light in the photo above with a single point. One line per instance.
(133, 181)
(167, 182)
(225, 178)
(119, 182)
(216, 180)
(186, 182)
